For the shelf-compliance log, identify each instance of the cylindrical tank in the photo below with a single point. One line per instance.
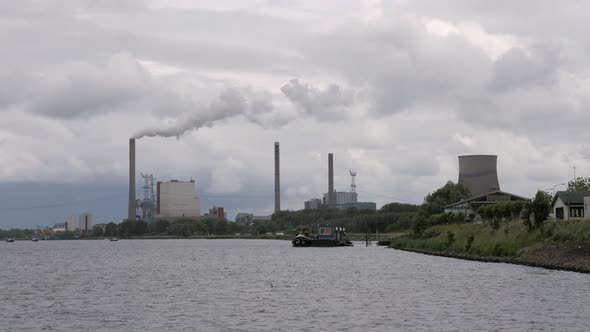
(479, 173)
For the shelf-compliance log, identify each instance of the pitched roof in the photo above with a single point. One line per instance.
(570, 197)
(476, 198)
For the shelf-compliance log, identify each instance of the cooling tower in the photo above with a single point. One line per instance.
(277, 179)
(131, 214)
(331, 198)
(479, 174)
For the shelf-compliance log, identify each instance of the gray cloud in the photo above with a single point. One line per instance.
(331, 103)
(515, 69)
(80, 89)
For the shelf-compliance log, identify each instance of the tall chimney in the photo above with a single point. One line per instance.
(331, 198)
(131, 215)
(277, 179)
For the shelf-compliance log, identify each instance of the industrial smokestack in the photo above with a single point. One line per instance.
(479, 173)
(277, 179)
(131, 214)
(331, 198)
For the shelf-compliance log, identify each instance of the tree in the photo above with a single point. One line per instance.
(539, 208)
(579, 184)
(110, 229)
(435, 202)
(97, 231)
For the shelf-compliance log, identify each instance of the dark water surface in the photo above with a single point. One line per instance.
(265, 285)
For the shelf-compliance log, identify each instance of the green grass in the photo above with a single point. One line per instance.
(508, 241)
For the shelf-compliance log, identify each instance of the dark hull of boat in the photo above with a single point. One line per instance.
(307, 242)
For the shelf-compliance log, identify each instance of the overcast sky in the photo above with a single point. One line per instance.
(396, 90)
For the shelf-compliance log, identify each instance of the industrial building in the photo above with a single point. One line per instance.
(469, 206)
(216, 212)
(177, 199)
(314, 203)
(72, 224)
(85, 222)
(243, 218)
(479, 174)
(341, 198)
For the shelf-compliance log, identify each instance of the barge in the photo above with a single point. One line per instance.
(326, 236)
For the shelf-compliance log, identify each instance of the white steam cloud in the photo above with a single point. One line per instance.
(328, 104)
(230, 103)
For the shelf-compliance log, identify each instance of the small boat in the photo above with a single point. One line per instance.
(327, 236)
(113, 239)
(35, 239)
(10, 239)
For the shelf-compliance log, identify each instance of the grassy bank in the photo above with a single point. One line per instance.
(562, 245)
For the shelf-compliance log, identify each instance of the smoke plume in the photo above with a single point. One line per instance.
(331, 103)
(230, 103)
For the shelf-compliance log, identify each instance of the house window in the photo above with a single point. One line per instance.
(577, 212)
(559, 213)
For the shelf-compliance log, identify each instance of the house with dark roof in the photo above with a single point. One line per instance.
(470, 205)
(568, 205)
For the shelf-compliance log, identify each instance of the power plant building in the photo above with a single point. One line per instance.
(314, 203)
(479, 174)
(85, 222)
(341, 198)
(177, 199)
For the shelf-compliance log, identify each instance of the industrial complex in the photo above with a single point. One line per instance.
(177, 199)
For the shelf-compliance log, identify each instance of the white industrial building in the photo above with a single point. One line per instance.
(342, 197)
(72, 224)
(85, 222)
(177, 199)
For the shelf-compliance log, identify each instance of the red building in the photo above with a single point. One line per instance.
(217, 212)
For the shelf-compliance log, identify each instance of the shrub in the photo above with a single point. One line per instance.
(450, 238)
(469, 242)
(430, 233)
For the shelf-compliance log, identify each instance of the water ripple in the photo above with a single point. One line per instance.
(258, 285)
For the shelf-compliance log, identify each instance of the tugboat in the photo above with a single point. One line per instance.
(327, 236)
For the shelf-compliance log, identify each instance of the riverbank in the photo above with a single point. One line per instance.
(563, 246)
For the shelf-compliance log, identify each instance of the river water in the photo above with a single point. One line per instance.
(266, 285)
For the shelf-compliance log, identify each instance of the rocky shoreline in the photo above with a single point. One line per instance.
(564, 256)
